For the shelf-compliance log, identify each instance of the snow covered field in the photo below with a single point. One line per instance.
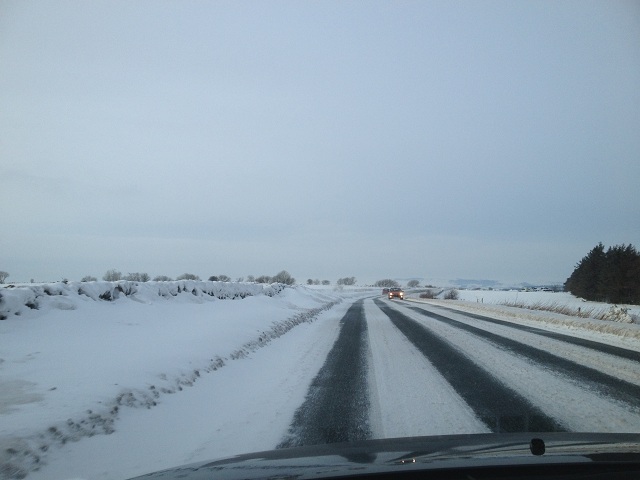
(533, 298)
(111, 380)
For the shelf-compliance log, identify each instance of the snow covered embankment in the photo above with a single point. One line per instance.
(19, 300)
(72, 355)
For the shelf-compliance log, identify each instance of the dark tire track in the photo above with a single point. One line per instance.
(586, 376)
(501, 408)
(336, 408)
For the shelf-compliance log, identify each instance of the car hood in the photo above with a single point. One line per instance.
(417, 454)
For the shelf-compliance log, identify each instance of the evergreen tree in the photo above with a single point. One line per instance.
(612, 276)
(585, 281)
(621, 274)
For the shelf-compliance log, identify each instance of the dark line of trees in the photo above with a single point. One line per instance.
(386, 282)
(611, 276)
(114, 275)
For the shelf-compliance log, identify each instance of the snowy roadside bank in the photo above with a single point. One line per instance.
(69, 365)
(23, 299)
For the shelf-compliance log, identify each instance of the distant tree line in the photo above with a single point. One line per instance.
(161, 278)
(221, 278)
(386, 282)
(611, 276)
(114, 275)
(280, 277)
(390, 283)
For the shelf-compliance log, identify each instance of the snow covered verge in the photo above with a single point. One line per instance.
(65, 296)
(620, 329)
(73, 355)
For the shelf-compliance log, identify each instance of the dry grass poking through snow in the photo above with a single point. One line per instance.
(613, 313)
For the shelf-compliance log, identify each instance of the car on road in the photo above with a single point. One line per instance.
(385, 291)
(396, 293)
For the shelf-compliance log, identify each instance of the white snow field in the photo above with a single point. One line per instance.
(105, 380)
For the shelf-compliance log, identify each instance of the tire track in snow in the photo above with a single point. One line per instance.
(336, 408)
(501, 408)
(591, 378)
(574, 407)
(408, 397)
(603, 360)
(582, 342)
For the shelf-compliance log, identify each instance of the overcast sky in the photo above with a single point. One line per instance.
(396, 139)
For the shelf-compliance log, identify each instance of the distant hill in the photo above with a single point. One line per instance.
(474, 283)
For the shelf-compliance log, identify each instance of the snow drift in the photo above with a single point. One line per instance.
(65, 296)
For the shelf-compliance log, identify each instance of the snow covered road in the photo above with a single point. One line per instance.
(433, 371)
(361, 367)
(336, 408)
(579, 387)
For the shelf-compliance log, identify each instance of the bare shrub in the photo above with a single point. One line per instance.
(112, 275)
(283, 277)
(188, 276)
(581, 312)
(618, 314)
(138, 277)
(451, 294)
